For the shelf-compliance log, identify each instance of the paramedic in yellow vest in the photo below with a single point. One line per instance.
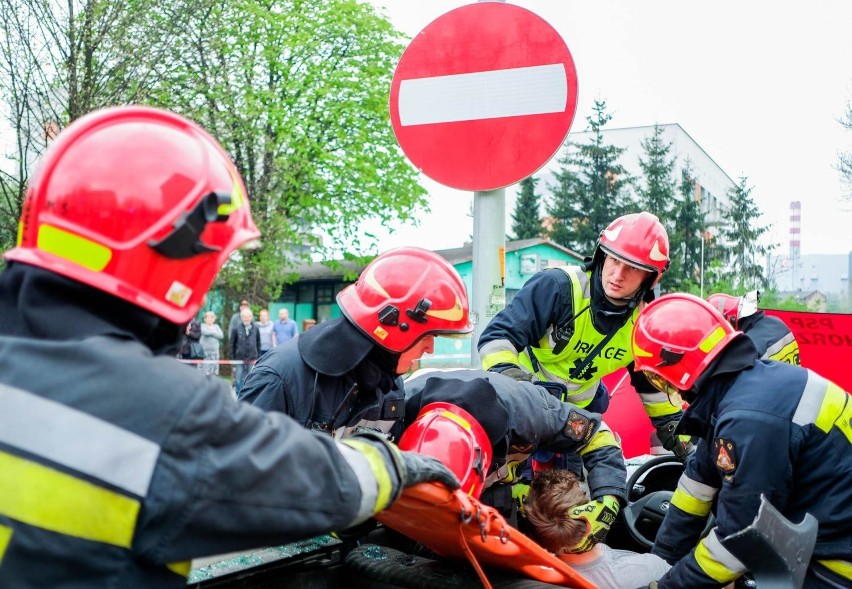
(571, 325)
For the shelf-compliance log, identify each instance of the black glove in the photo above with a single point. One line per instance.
(512, 371)
(681, 446)
(401, 469)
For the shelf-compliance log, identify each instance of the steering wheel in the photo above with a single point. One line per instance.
(650, 508)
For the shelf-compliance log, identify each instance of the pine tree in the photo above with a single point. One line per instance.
(685, 237)
(526, 220)
(740, 235)
(591, 188)
(657, 196)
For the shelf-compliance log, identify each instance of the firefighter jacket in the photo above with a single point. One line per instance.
(550, 327)
(772, 338)
(326, 379)
(520, 417)
(118, 466)
(766, 428)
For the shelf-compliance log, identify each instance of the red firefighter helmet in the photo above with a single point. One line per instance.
(405, 294)
(675, 339)
(453, 436)
(735, 308)
(640, 240)
(137, 202)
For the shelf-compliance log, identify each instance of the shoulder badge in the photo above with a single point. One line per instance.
(726, 455)
(577, 427)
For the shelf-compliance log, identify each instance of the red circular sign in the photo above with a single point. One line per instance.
(483, 96)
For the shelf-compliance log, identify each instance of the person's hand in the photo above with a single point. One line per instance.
(512, 371)
(681, 446)
(391, 466)
(520, 491)
(599, 515)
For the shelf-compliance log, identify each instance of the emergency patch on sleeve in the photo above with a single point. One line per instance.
(576, 426)
(726, 455)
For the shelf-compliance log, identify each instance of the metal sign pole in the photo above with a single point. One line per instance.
(489, 250)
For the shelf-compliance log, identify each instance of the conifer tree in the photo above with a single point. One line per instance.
(657, 195)
(688, 229)
(591, 188)
(526, 219)
(740, 235)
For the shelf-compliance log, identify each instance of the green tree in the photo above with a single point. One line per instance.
(685, 237)
(656, 194)
(526, 219)
(591, 187)
(741, 234)
(297, 92)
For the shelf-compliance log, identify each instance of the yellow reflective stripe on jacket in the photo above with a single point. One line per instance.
(784, 350)
(840, 567)
(825, 405)
(180, 568)
(496, 352)
(693, 497)
(5, 536)
(77, 440)
(716, 561)
(46, 498)
(658, 404)
(602, 438)
(378, 470)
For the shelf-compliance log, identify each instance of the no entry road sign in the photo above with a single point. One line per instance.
(483, 96)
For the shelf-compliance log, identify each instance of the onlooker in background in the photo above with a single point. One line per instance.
(285, 328)
(267, 333)
(553, 496)
(235, 318)
(190, 348)
(244, 342)
(211, 339)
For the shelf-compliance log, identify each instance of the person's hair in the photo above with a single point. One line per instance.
(210, 314)
(552, 493)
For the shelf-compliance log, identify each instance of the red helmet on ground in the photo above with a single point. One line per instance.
(405, 294)
(640, 240)
(735, 308)
(137, 202)
(675, 339)
(453, 436)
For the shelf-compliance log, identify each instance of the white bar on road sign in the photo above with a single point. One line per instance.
(512, 92)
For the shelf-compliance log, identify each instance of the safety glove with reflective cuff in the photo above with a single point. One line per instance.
(512, 371)
(681, 446)
(396, 470)
(599, 515)
(520, 491)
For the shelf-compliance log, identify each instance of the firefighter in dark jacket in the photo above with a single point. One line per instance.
(520, 417)
(765, 427)
(344, 373)
(771, 336)
(571, 325)
(118, 464)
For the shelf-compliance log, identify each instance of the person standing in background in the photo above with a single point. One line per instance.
(244, 342)
(235, 318)
(211, 339)
(285, 328)
(267, 333)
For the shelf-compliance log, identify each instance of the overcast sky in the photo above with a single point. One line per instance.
(760, 85)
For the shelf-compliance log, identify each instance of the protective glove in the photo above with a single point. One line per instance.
(599, 515)
(513, 371)
(519, 495)
(681, 446)
(396, 470)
